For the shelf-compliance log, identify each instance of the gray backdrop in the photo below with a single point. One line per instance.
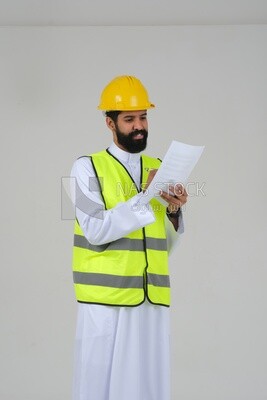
(209, 85)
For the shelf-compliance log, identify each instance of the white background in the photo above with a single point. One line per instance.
(210, 88)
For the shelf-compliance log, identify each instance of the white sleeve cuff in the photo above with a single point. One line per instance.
(180, 223)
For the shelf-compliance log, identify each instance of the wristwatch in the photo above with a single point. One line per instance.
(173, 214)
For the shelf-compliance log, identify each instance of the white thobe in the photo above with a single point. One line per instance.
(120, 352)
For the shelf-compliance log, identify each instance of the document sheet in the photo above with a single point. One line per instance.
(175, 168)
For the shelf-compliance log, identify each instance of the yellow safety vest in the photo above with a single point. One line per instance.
(125, 271)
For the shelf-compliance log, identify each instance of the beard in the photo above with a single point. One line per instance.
(130, 143)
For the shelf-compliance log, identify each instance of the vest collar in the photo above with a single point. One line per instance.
(124, 156)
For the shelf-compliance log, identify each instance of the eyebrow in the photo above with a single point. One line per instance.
(132, 116)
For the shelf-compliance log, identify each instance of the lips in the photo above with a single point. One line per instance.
(139, 136)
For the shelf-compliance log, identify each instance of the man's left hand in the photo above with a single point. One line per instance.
(176, 197)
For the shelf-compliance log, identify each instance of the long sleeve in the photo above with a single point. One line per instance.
(173, 237)
(99, 225)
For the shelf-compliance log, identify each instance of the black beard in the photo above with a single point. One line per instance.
(129, 143)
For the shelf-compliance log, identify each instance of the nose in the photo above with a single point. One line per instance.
(138, 124)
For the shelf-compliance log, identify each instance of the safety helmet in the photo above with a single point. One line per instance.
(124, 93)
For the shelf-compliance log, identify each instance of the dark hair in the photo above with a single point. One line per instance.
(113, 115)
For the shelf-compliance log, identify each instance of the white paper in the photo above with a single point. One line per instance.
(176, 167)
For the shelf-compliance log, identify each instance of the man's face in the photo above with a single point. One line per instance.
(131, 131)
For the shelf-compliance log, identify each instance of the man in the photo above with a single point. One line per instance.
(120, 259)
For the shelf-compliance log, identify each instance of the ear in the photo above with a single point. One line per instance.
(110, 123)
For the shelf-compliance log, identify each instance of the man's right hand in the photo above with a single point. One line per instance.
(151, 175)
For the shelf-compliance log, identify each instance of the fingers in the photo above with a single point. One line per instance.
(176, 197)
(178, 190)
(173, 202)
(151, 174)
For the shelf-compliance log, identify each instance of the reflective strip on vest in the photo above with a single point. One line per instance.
(116, 281)
(156, 244)
(122, 244)
(158, 280)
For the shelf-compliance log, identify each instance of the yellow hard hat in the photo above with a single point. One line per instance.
(124, 93)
